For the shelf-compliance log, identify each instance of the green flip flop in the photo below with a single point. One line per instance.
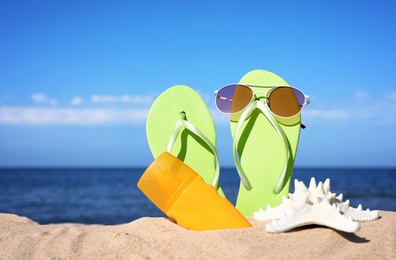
(264, 147)
(180, 123)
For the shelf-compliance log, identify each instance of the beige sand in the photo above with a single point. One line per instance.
(159, 238)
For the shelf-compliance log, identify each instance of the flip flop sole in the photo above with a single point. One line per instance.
(261, 150)
(161, 120)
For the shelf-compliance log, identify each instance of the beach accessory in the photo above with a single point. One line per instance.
(264, 146)
(183, 196)
(282, 101)
(314, 205)
(180, 123)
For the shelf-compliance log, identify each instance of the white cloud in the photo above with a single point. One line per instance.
(362, 108)
(392, 96)
(134, 99)
(332, 114)
(75, 114)
(362, 95)
(76, 101)
(104, 99)
(70, 116)
(40, 98)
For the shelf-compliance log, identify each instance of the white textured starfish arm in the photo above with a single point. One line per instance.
(318, 214)
(359, 215)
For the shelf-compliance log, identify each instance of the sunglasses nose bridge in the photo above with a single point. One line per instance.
(259, 95)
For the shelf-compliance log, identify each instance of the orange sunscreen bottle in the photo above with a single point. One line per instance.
(184, 196)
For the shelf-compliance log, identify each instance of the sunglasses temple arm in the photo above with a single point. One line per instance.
(307, 101)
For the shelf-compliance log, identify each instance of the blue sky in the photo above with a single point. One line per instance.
(77, 78)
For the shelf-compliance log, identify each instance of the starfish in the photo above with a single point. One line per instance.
(314, 205)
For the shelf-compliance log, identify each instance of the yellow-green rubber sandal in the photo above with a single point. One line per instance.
(180, 123)
(264, 147)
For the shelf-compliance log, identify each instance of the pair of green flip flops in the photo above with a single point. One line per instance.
(264, 150)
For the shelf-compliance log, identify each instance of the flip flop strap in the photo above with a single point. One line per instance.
(182, 123)
(259, 105)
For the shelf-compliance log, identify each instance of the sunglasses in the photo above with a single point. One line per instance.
(282, 101)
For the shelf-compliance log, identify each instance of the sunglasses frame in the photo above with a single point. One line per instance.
(307, 99)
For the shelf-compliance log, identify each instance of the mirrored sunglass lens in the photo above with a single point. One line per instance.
(233, 98)
(286, 101)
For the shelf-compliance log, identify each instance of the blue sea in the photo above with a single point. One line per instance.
(110, 196)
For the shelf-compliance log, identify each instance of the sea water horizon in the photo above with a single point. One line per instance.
(110, 196)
